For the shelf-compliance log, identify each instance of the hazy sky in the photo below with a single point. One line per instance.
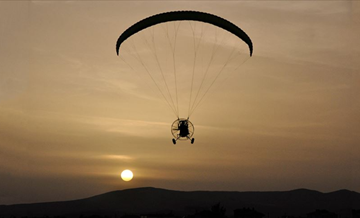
(72, 118)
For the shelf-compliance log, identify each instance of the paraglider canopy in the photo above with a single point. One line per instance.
(184, 15)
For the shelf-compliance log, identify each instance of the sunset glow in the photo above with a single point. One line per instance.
(74, 114)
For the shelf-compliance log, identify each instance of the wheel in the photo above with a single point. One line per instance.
(192, 140)
(174, 141)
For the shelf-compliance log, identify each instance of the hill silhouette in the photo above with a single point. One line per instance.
(154, 200)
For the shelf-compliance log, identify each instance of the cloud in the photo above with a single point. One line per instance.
(116, 157)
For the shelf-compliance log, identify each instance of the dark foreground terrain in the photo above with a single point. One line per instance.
(296, 203)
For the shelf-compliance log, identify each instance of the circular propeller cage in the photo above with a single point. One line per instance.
(176, 132)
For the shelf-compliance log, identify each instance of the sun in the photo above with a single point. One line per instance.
(127, 175)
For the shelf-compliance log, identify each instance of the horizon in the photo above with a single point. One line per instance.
(189, 191)
(74, 115)
(139, 201)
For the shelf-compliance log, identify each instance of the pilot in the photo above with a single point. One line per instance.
(184, 128)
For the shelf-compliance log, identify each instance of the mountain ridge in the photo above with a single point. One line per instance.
(297, 202)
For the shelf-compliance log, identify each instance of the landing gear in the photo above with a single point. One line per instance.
(192, 141)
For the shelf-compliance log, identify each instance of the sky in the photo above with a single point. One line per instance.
(73, 115)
